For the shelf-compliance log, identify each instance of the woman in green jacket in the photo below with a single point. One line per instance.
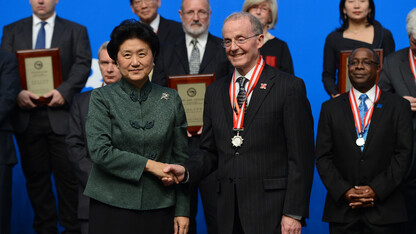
(134, 128)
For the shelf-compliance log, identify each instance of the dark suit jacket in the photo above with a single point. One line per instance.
(78, 149)
(397, 77)
(382, 165)
(173, 60)
(72, 40)
(272, 172)
(9, 88)
(169, 31)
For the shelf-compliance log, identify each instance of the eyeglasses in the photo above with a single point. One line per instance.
(263, 9)
(365, 63)
(201, 14)
(238, 41)
(139, 2)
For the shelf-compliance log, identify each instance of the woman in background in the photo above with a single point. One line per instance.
(358, 29)
(133, 128)
(274, 51)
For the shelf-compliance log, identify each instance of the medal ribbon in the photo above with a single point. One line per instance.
(356, 113)
(238, 118)
(412, 63)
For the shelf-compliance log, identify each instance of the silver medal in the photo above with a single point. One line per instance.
(237, 140)
(360, 141)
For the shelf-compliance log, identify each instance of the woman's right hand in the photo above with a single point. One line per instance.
(156, 168)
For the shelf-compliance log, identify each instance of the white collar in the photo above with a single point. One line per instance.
(155, 23)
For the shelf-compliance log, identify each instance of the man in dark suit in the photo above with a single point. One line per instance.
(363, 149)
(181, 58)
(264, 154)
(76, 139)
(167, 30)
(9, 88)
(40, 130)
(398, 76)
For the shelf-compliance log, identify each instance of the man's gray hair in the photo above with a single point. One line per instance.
(102, 47)
(256, 26)
(411, 23)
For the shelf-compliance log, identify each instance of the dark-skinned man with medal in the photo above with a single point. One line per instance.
(363, 149)
(258, 133)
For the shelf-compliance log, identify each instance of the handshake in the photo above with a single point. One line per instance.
(167, 173)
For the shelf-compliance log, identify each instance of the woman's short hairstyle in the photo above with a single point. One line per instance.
(132, 29)
(343, 18)
(273, 9)
(256, 26)
(411, 23)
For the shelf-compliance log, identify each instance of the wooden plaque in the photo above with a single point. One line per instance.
(40, 71)
(191, 89)
(343, 81)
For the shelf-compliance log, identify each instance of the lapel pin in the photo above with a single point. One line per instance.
(263, 86)
(379, 105)
(165, 96)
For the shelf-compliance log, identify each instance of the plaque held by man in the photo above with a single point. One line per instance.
(40, 72)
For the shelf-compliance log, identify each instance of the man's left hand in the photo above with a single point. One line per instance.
(57, 98)
(290, 225)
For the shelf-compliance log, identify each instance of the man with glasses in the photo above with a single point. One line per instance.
(196, 52)
(167, 30)
(363, 151)
(258, 133)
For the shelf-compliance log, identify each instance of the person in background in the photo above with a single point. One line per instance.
(275, 51)
(264, 177)
(363, 151)
(168, 31)
(134, 128)
(358, 29)
(76, 139)
(41, 129)
(9, 88)
(398, 76)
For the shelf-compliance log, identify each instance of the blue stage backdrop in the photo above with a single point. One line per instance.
(303, 24)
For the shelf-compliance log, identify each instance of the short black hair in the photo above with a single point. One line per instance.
(375, 55)
(343, 18)
(132, 29)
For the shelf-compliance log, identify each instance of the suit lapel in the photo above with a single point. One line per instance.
(377, 113)
(182, 54)
(27, 33)
(266, 78)
(210, 50)
(349, 117)
(228, 111)
(58, 31)
(407, 75)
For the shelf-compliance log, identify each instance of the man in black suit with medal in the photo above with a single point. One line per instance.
(363, 148)
(258, 133)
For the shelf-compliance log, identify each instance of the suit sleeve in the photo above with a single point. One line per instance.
(76, 145)
(180, 155)
(388, 180)
(329, 173)
(117, 162)
(298, 125)
(6, 40)
(199, 167)
(80, 67)
(9, 85)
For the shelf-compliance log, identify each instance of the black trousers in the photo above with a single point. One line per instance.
(5, 197)
(107, 219)
(43, 153)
